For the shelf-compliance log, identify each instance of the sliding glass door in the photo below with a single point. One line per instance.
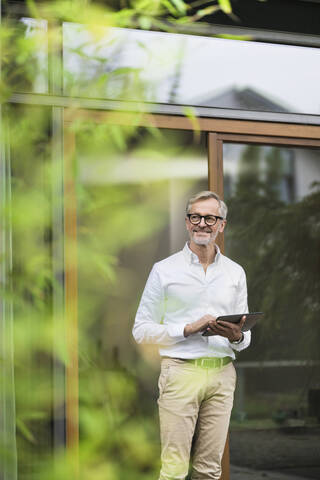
(273, 194)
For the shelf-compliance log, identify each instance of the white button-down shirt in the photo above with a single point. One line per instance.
(179, 291)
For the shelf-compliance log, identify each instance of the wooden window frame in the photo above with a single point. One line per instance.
(219, 131)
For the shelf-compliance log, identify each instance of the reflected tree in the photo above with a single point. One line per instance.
(278, 244)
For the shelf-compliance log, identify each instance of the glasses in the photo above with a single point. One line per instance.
(210, 220)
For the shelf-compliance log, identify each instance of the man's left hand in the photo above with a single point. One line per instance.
(232, 331)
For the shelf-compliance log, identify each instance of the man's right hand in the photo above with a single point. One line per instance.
(198, 326)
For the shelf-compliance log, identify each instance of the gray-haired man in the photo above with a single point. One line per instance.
(184, 295)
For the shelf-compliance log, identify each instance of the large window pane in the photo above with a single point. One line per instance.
(273, 231)
(25, 63)
(190, 70)
(133, 187)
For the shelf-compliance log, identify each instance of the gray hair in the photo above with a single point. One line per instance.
(206, 194)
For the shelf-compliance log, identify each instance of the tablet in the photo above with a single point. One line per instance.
(251, 320)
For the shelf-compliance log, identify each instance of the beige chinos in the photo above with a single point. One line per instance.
(194, 408)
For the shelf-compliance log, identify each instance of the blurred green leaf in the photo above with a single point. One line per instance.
(225, 6)
(180, 5)
(121, 214)
(191, 115)
(245, 38)
(26, 432)
(145, 22)
(207, 11)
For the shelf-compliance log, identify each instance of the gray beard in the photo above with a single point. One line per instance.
(201, 241)
(204, 241)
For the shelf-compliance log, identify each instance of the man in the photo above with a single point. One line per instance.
(184, 295)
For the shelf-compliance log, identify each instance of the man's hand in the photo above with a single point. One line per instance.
(199, 325)
(232, 331)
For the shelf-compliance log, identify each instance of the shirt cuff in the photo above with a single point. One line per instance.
(176, 332)
(244, 344)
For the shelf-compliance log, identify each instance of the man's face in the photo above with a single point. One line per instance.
(203, 234)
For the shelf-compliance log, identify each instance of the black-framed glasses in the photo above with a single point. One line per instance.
(210, 220)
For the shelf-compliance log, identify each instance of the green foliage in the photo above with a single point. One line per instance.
(119, 222)
(115, 435)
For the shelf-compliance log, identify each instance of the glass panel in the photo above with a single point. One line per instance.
(25, 65)
(190, 70)
(273, 194)
(133, 185)
(29, 291)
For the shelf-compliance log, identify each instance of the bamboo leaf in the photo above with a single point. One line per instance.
(180, 6)
(145, 22)
(169, 7)
(25, 431)
(207, 11)
(225, 6)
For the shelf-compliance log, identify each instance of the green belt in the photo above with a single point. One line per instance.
(210, 362)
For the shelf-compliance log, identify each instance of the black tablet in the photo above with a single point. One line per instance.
(251, 320)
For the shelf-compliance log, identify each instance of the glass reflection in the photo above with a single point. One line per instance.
(132, 189)
(273, 231)
(29, 320)
(190, 70)
(25, 65)
(36, 31)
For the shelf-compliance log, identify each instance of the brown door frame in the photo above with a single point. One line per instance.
(222, 127)
(215, 149)
(216, 141)
(219, 131)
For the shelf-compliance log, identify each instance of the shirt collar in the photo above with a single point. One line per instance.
(191, 257)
